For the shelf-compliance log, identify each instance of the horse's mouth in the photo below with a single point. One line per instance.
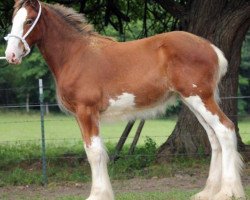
(15, 61)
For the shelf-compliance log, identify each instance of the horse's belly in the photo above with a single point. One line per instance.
(124, 108)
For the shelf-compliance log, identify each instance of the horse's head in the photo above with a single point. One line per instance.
(25, 30)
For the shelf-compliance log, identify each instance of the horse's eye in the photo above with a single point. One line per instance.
(29, 21)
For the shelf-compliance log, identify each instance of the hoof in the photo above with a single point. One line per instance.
(101, 196)
(203, 195)
(228, 196)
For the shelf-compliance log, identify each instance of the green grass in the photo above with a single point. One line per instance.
(169, 195)
(20, 158)
(21, 164)
(21, 126)
(60, 128)
(244, 126)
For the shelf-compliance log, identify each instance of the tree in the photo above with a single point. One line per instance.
(225, 23)
(244, 82)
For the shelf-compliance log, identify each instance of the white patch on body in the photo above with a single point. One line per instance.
(194, 86)
(98, 159)
(124, 101)
(231, 185)
(124, 108)
(17, 29)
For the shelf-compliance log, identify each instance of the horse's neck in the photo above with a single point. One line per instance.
(58, 43)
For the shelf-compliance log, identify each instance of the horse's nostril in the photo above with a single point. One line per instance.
(13, 55)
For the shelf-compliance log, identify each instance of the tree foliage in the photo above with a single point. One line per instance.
(244, 79)
(123, 19)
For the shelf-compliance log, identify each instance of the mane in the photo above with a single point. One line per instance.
(71, 17)
(74, 19)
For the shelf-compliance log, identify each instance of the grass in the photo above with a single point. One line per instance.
(67, 163)
(244, 126)
(62, 128)
(170, 195)
(21, 164)
(20, 156)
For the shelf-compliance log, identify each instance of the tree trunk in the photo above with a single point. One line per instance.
(225, 24)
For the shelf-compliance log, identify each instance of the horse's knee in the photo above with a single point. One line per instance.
(96, 152)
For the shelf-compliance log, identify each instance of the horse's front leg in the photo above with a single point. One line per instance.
(88, 120)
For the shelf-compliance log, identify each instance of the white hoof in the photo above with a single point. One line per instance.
(207, 193)
(101, 196)
(203, 195)
(222, 195)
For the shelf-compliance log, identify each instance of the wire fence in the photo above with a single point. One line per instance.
(77, 141)
(54, 104)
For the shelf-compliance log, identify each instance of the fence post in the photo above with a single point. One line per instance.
(136, 138)
(44, 173)
(122, 140)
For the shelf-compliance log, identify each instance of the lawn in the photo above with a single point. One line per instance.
(15, 126)
(20, 163)
(170, 195)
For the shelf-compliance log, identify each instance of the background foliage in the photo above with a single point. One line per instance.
(124, 20)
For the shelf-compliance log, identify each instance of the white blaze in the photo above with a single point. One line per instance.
(17, 29)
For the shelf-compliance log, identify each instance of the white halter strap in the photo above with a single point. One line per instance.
(26, 45)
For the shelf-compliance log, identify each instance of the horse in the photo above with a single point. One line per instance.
(98, 78)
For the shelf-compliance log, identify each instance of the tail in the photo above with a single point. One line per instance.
(222, 70)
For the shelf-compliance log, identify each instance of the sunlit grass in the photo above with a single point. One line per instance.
(173, 194)
(58, 127)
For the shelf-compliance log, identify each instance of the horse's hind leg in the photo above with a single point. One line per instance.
(101, 189)
(213, 183)
(208, 109)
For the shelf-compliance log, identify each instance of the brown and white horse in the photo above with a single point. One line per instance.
(99, 78)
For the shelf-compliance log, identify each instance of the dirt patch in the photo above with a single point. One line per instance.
(55, 191)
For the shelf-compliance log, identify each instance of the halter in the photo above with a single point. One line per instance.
(22, 38)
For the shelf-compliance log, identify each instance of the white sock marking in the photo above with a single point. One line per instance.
(98, 158)
(231, 161)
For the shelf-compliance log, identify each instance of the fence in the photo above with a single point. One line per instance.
(43, 121)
